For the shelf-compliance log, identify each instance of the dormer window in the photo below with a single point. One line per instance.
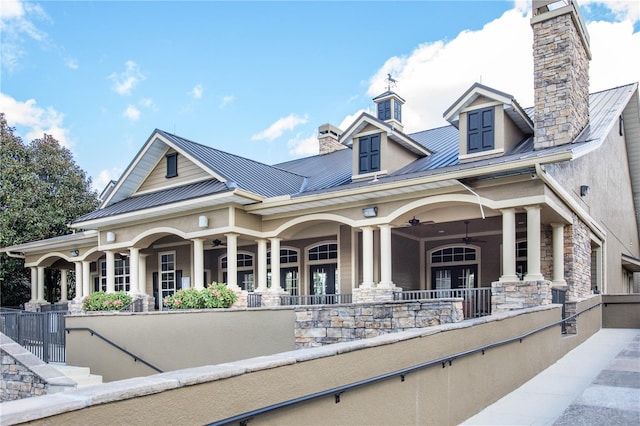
(369, 154)
(480, 130)
(172, 165)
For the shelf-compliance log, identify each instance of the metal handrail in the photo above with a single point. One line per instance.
(338, 391)
(115, 345)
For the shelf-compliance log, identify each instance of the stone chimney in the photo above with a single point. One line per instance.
(328, 139)
(561, 57)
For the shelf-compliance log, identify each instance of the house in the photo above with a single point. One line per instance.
(503, 198)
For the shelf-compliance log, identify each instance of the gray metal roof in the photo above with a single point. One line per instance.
(322, 171)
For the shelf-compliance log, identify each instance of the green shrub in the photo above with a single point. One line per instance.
(216, 295)
(101, 301)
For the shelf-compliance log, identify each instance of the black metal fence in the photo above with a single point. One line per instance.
(41, 333)
(315, 299)
(476, 303)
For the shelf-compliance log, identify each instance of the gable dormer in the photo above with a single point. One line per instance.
(389, 108)
(378, 148)
(489, 122)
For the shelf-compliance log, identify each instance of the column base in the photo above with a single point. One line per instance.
(375, 294)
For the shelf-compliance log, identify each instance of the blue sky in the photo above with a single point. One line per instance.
(257, 78)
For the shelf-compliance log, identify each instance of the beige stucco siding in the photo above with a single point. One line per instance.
(187, 172)
(609, 202)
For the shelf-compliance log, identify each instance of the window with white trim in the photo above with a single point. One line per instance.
(121, 274)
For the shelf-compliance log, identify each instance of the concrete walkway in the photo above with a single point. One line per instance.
(597, 383)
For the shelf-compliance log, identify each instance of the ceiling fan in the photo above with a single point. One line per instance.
(414, 221)
(467, 239)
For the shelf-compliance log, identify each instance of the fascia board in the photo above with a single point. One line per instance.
(452, 113)
(64, 241)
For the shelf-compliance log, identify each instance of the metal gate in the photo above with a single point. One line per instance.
(41, 333)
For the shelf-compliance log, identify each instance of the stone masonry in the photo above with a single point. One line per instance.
(323, 325)
(510, 295)
(577, 260)
(561, 77)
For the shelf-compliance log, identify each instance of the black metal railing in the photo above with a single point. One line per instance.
(559, 295)
(336, 392)
(254, 300)
(136, 305)
(41, 333)
(476, 301)
(315, 299)
(115, 345)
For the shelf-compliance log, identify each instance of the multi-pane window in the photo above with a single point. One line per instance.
(288, 270)
(245, 275)
(480, 130)
(397, 110)
(453, 254)
(121, 274)
(369, 154)
(521, 258)
(168, 272)
(323, 252)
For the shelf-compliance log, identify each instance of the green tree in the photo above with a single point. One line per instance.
(41, 191)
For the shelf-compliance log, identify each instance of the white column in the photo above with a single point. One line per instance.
(367, 257)
(558, 254)
(86, 278)
(34, 284)
(41, 284)
(134, 274)
(63, 285)
(198, 263)
(533, 244)
(508, 245)
(111, 271)
(142, 273)
(275, 266)
(232, 261)
(262, 264)
(385, 256)
(79, 278)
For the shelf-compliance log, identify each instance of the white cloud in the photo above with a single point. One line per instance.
(226, 100)
(72, 63)
(32, 122)
(196, 92)
(435, 74)
(622, 9)
(105, 176)
(301, 146)
(132, 113)
(279, 127)
(17, 20)
(125, 81)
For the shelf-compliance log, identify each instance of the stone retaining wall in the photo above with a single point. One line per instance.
(24, 375)
(323, 325)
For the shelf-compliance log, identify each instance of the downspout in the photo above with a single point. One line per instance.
(581, 213)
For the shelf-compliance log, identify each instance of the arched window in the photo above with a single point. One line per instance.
(454, 267)
(246, 275)
(323, 268)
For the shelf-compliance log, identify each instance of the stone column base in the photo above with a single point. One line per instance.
(145, 302)
(34, 306)
(374, 294)
(75, 306)
(270, 298)
(242, 301)
(507, 296)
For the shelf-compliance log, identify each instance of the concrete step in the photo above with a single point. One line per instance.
(81, 375)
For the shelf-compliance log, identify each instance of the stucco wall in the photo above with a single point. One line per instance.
(172, 340)
(446, 393)
(621, 311)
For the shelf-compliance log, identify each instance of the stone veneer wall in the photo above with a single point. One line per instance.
(577, 260)
(546, 251)
(323, 325)
(510, 295)
(561, 80)
(24, 375)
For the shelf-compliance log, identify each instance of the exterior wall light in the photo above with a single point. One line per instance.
(111, 237)
(584, 190)
(370, 212)
(203, 222)
(74, 253)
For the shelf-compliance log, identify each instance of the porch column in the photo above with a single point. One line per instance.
(79, 280)
(262, 264)
(533, 244)
(86, 278)
(508, 245)
(232, 261)
(275, 266)
(367, 256)
(198, 263)
(142, 273)
(134, 274)
(63, 285)
(34, 284)
(41, 284)
(385, 257)
(558, 254)
(111, 274)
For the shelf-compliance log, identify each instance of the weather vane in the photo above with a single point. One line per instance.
(391, 82)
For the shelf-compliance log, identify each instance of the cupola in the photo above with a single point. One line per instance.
(389, 106)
